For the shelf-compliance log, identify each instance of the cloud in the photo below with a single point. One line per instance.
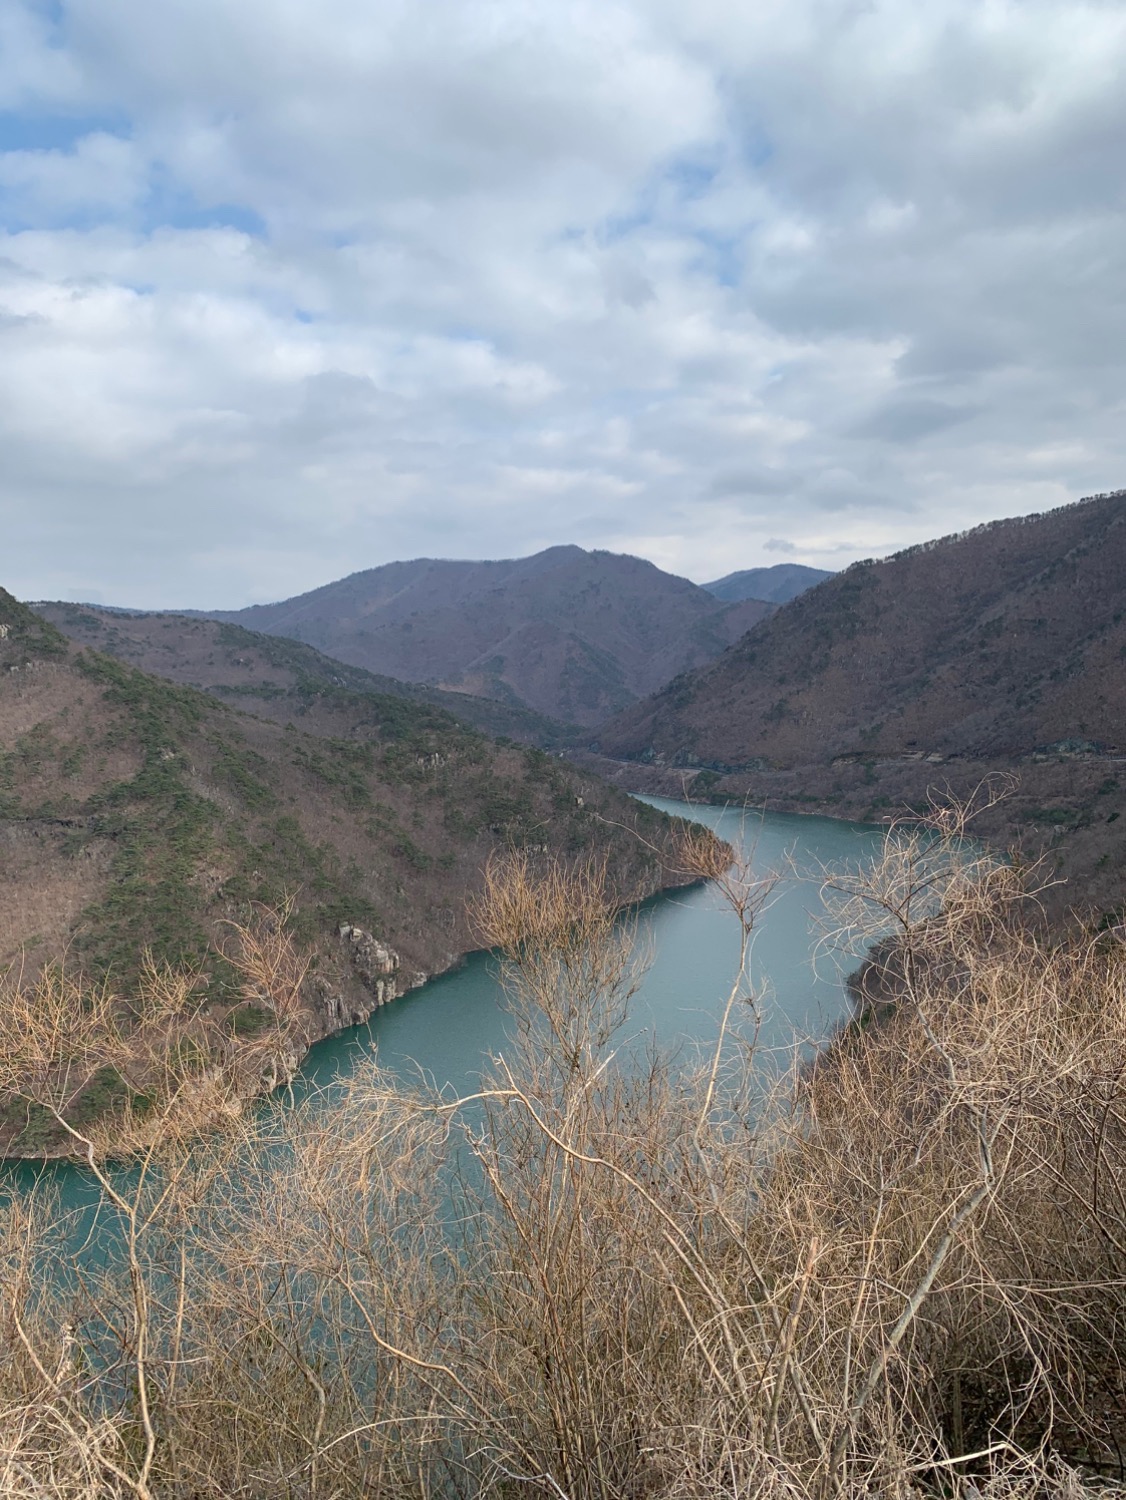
(748, 482)
(102, 174)
(906, 420)
(287, 291)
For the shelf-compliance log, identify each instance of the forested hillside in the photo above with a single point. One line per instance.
(280, 679)
(138, 815)
(575, 635)
(1002, 650)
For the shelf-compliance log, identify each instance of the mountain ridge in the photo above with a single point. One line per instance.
(777, 584)
(995, 650)
(572, 634)
(926, 639)
(276, 677)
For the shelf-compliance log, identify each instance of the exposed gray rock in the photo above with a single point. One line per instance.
(337, 1009)
(373, 961)
(376, 966)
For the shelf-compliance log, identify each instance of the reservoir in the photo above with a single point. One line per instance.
(447, 1030)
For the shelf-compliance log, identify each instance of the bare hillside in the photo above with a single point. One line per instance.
(1002, 650)
(571, 634)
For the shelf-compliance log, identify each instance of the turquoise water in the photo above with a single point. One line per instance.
(447, 1030)
(444, 1030)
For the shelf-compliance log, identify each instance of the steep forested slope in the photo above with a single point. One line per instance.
(1002, 650)
(136, 813)
(998, 642)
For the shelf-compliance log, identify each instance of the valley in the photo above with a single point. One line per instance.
(227, 852)
(992, 657)
(562, 751)
(139, 818)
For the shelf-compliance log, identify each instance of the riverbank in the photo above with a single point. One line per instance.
(446, 1027)
(669, 1279)
(85, 1067)
(1062, 805)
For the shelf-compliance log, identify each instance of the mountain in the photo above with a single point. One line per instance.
(571, 634)
(777, 585)
(139, 814)
(1001, 648)
(277, 678)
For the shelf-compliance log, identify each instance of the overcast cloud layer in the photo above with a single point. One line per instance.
(290, 289)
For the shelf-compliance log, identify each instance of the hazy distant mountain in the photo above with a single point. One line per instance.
(778, 585)
(576, 635)
(1002, 648)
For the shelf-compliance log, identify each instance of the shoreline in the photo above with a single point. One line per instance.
(1062, 808)
(328, 1011)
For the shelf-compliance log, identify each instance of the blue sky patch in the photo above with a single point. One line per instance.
(171, 207)
(37, 132)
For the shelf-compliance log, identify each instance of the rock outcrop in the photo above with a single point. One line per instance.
(378, 970)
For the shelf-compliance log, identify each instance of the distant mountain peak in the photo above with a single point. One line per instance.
(567, 632)
(778, 584)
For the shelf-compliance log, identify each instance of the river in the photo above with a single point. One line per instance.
(446, 1028)
(449, 1027)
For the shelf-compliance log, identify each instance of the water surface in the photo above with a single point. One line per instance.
(447, 1030)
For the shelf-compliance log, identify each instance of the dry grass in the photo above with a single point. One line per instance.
(906, 1276)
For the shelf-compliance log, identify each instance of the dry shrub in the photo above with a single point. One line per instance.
(600, 1278)
(166, 1049)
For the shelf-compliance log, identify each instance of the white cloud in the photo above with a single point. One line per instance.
(289, 290)
(103, 172)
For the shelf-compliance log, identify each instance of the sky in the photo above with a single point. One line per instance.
(290, 289)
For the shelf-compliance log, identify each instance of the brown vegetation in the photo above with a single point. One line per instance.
(992, 644)
(89, 1071)
(998, 650)
(137, 813)
(281, 679)
(572, 634)
(904, 1274)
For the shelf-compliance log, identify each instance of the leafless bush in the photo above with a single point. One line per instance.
(599, 1278)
